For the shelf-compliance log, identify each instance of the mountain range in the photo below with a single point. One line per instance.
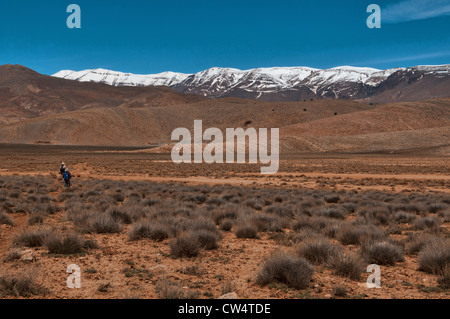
(282, 84)
(37, 108)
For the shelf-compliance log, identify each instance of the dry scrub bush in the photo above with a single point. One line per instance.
(331, 211)
(35, 218)
(185, 245)
(20, 285)
(444, 280)
(415, 243)
(208, 239)
(267, 222)
(202, 224)
(46, 209)
(146, 229)
(281, 267)
(332, 198)
(119, 215)
(281, 210)
(100, 223)
(340, 291)
(381, 252)
(332, 229)
(435, 256)
(246, 231)
(445, 215)
(226, 224)
(65, 244)
(378, 215)
(255, 203)
(6, 220)
(431, 223)
(167, 289)
(353, 234)
(302, 223)
(228, 211)
(404, 217)
(31, 238)
(317, 250)
(12, 255)
(347, 265)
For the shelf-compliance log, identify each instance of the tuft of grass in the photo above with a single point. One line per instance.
(35, 218)
(208, 239)
(268, 222)
(246, 231)
(226, 224)
(404, 217)
(444, 280)
(332, 198)
(435, 257)
(430, 223)
(185, 245)
(64, 244)
(119, 215)
(347, 265)
(332, 211)
(228, 212)
(5, 219)
(340, 291)
(20, 285)
(104, 287)
(167, 289)
(356, 234)
(157, 231)
(103, 224)
(281, 267)
(382, 252)
(378, 215)
(317, 250)
(31, 238)
(12, 255)
(415, 243)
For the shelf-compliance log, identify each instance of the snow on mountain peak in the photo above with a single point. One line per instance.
(219, 81)
(117, 78)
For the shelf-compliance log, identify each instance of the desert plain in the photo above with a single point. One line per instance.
(140, 226)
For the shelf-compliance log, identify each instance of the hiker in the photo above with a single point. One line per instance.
(67, 176)
(62, 169)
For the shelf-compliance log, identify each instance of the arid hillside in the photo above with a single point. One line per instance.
(25, 93)
(124, 126)
(41, 109)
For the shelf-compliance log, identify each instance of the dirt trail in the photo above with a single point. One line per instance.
(381, 182)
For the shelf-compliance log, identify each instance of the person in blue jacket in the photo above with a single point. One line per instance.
(67, 176)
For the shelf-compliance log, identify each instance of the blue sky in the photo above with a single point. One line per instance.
(146, 36)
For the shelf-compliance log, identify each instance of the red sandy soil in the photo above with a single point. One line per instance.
(237, 261)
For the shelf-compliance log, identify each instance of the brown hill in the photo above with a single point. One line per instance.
(25, 93)
(142, 126)
(384, 118)
(387, 128)
(401, 88)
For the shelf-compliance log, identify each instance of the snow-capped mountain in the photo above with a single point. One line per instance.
(123, 79)
(272, 84)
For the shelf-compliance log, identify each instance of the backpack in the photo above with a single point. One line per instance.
(66, 176)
